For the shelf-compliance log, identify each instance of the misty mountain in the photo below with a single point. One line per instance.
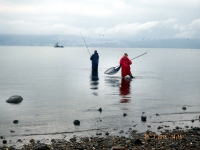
(101, 41)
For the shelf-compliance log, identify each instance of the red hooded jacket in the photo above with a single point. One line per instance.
(125, 63)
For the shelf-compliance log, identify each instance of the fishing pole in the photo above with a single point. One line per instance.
(85, 44)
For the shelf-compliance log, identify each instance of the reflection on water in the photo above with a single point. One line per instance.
(112, 81)
(94, 80)
(125, 90)
(119, 87)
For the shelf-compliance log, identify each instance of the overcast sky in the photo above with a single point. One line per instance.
(111, 18)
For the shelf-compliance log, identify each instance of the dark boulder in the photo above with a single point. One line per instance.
(19, 140)
(159, 127)
(196, 129)
(143, 118)
(14, 99)
(124, 114)
(138, 141)
(15, 121)
(177, 127)
(100, 110)
(76, 122)
(4, 142)
(184, 108)
(106, 133)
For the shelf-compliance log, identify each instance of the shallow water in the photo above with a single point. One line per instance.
(58, 87)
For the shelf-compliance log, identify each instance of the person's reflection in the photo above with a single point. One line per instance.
(94, 79)
(125, 90)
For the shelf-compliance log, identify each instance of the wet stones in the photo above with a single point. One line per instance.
(124, 114)
(15, 121)
(76, 122)
(119, 148)
(143, 118)
(184, 108)
(53, 141)
(157, 114)
(4, 142)
(196, 129)
(138, 141)
(120, 132)
(32, 141)
(177, 139)
(42, 146)
(16, 99)
(98, 133)
(19, 140)
(107, 133)
(177, 127)
(100, 110)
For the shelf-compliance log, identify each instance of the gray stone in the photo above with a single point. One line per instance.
(15, 99)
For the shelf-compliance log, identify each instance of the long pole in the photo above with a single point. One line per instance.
(139, 56)
(85, 44)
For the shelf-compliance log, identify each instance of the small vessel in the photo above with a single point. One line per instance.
(56, 45)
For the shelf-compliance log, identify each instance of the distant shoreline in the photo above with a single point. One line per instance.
(76, 41)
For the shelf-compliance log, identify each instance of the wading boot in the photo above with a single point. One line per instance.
(131, 76)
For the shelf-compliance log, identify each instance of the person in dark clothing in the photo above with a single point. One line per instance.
(95, 60)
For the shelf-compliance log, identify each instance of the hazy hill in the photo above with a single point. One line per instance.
(72, 41)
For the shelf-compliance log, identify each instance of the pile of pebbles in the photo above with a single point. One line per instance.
(175, 139)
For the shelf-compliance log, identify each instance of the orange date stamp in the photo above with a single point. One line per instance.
(163, 136)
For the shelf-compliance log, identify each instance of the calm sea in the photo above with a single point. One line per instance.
(58, 87)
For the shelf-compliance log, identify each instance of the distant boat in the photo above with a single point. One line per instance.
(57, 46)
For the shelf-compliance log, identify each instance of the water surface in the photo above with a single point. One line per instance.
(58, 86)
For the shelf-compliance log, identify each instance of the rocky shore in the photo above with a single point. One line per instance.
(167, 140)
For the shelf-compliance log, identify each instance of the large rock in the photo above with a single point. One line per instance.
(76, 122)
(15, 99)
(143, 118)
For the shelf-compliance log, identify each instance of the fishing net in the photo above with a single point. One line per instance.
(112, 70)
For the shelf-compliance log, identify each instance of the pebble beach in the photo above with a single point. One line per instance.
(167, 140)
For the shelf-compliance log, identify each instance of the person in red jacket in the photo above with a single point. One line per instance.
(125, 63)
